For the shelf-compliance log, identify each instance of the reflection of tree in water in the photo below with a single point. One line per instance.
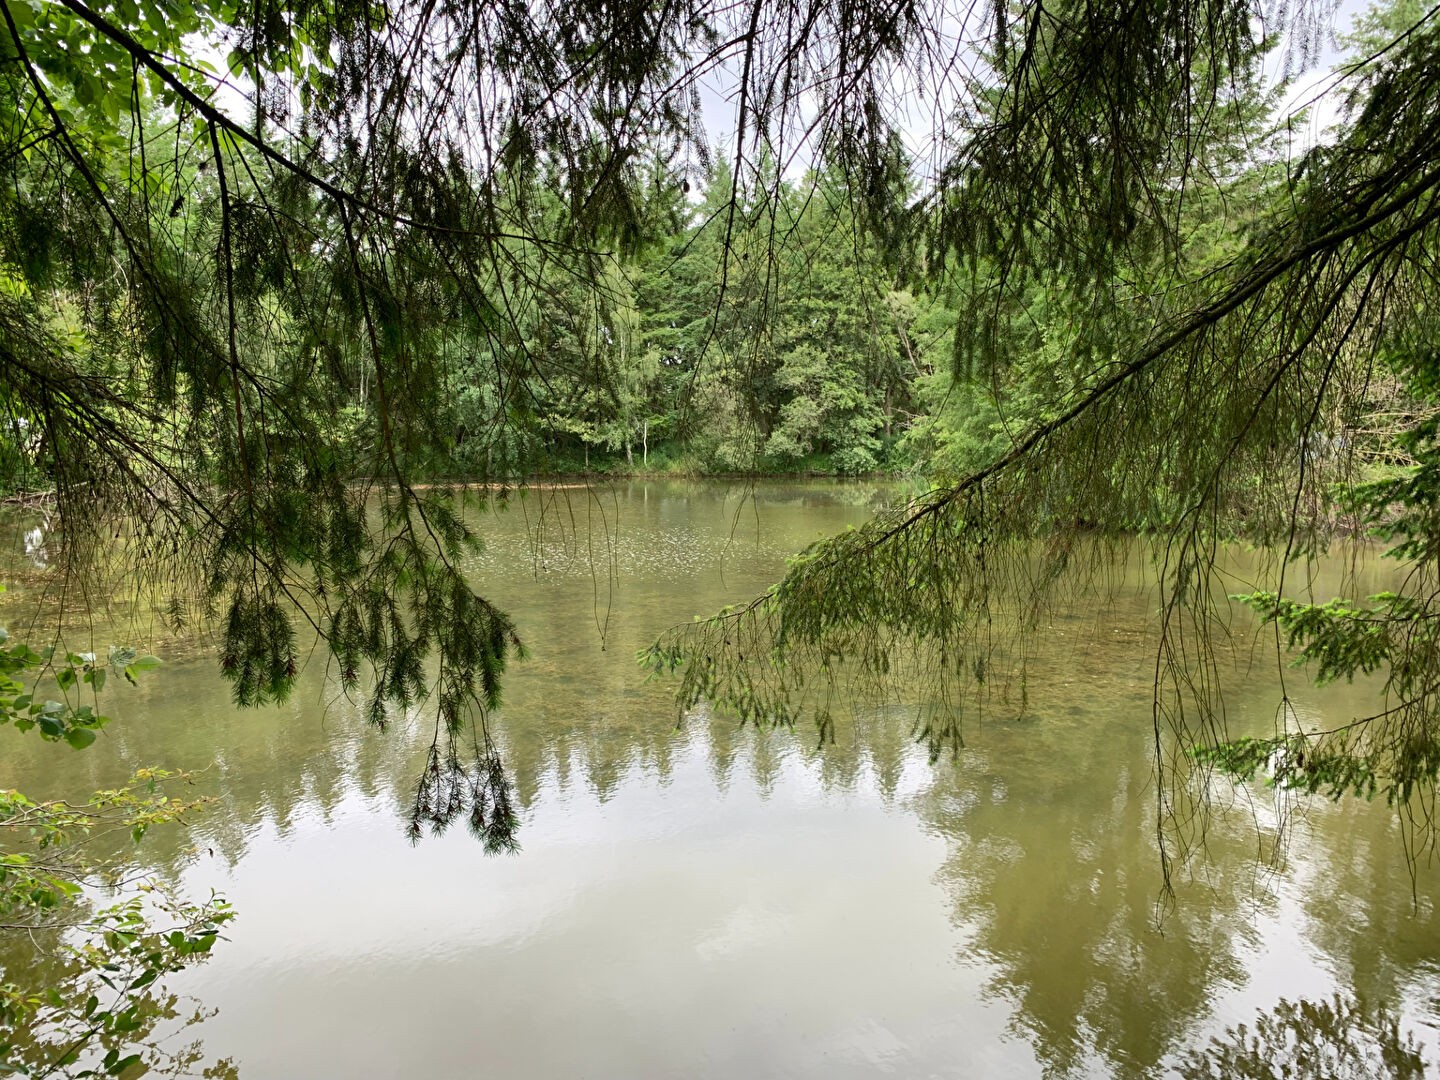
(1339, 1039)
(1357, 886)
(157, 1021)
(577, 713)
(1054, 876)
(1053, 871)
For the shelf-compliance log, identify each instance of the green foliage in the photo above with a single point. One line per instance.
(1175, 338)
(89, 1000)
(1292, 763)
(232, 345)
(1339, 638)
(1396, 752)
(96, 939)
(57, 719)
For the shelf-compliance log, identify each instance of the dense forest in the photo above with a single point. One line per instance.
(822, 355)
(711, 349)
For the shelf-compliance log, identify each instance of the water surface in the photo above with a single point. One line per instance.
(704, 901)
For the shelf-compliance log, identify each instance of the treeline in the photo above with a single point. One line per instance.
(750, 331)
(774, 326)
(797, 323)
(723, 331)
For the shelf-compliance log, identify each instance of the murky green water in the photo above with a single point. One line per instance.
(707, 902)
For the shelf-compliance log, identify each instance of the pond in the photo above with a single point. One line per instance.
(704, 901)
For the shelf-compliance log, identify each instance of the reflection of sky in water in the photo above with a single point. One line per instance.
(707, 902)
(670, 930)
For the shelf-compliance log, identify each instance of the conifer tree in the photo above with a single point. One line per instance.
(233, 307)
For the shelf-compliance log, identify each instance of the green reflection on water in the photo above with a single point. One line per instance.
(703, 900)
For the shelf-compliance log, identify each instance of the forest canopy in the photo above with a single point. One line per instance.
(268, 269)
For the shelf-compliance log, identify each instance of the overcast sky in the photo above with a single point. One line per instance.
(926, 107)
(1317, 87)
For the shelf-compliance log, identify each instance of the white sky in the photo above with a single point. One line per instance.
(1317, 87)
(926, 108)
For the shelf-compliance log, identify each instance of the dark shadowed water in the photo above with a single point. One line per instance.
(704, 901)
